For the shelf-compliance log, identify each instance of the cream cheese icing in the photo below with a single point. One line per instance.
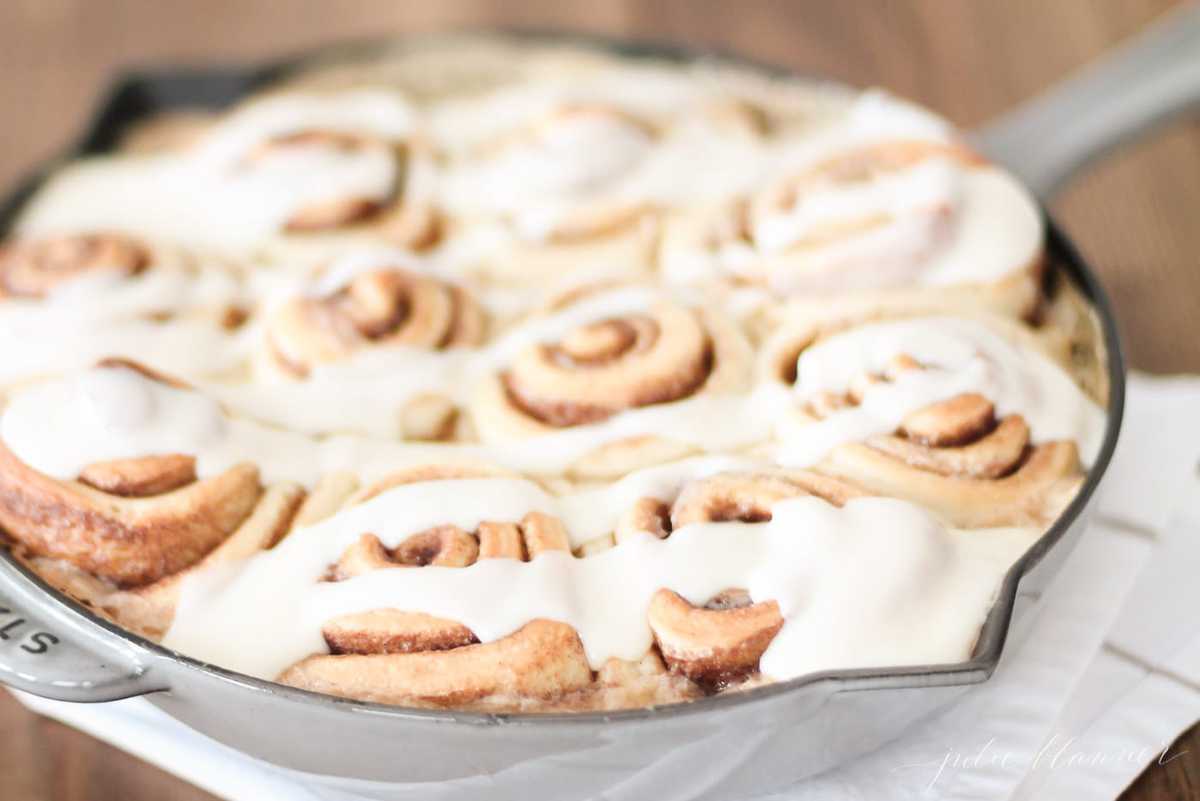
(208, 196)
(61, 426)
(878, 582)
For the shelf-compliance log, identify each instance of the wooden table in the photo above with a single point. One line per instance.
(1134, 217)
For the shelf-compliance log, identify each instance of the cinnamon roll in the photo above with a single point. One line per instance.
(103, 523)
(862, 223)
(966, 416)
(721, 641)
(131, 521)
(33, 269)
(124, 534)
(287, 173)
(129, 276)
(378, 309)
(557, 207)
(416, 659)
(600, 367)
(72, 299)
(581, 177)
(412, 224)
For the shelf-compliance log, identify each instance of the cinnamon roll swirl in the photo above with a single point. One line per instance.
(408, 222)
(558, 207)
(910, 411)
(378, 309)
(601, 368)
(72, 299)
(130, 521)
(125, 533)
(35, 268)
(957, 458)
(866, 224)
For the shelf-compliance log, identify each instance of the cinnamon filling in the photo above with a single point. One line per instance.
(327, 214)
(748, 497)
(381, 307)
(609, 366)
(860, 166)
(996, 474)
(32, 269)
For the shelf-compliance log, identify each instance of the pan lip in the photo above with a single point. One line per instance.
(1062, 254)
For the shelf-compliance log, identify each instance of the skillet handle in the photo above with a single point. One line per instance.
(48, 654)
(1146, 81)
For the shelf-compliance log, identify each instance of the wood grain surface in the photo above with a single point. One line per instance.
(1135, 217)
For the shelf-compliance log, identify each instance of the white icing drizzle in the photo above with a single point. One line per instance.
(184, 347)
(209, 196)
(61, 426)
(947, 225)
(961, 355)
(375, 112)
(591, 160)
(533, 180)
(879, 582)
(467, 125)
(947, 222)
(99, 315)
(376, 382)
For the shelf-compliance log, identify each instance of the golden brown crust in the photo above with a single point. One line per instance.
(621, 684)
(712, 645)
(390, 631)
(138, 478)
(542, 660)
(131, 541)
(148, 609)
(1034, 494)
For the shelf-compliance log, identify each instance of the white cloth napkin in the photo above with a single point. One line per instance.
(1097, 681)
